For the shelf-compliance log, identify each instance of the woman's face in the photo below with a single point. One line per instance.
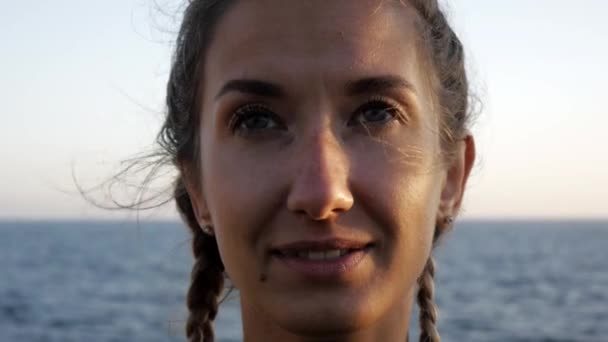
(320, 161)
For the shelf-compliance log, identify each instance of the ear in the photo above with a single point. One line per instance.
(456, 178)
(193, 186)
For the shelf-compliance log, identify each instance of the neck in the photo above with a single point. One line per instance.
(391, 327)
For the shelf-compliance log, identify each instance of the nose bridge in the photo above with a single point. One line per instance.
(327, 161)
(320, 186)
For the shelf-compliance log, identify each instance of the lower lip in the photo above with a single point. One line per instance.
(335, 268)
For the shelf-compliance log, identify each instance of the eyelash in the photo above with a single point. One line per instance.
(379, 102)
(376, 102)
(249, 111)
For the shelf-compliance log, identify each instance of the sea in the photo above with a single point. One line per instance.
(504, 281)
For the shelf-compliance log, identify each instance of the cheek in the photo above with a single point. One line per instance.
(408, 242)
(241, 190)
(418, 198)
(400, 189)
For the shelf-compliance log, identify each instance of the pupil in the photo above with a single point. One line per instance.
(257, 122)
(375, 115)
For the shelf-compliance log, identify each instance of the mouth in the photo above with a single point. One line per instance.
(318, 255)
(320, 250)
(322, 259)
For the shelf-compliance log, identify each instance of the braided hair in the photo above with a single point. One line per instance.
(178, 139)
(451, 85)
(207, 276)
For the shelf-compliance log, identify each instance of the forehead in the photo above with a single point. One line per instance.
(336, 40)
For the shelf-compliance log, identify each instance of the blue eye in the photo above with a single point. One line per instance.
(254, 118)
(374, 112)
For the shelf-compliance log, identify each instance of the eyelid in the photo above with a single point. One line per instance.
(246, 110)
(401, 110)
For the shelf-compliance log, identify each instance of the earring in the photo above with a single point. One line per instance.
(207, 229)
(448, 220)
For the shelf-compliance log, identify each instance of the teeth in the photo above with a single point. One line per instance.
(316, 255)
(323, 255)
(332, 254)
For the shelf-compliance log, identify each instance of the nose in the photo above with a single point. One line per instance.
(320, 188)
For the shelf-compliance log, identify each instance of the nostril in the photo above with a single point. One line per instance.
(320, 204)
(320, 215)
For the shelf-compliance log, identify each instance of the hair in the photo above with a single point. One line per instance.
(179, 136)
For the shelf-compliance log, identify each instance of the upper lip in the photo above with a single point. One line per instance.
(319, 245)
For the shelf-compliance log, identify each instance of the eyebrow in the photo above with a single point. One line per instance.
(378, 84)
(253, 87)
(366, 85)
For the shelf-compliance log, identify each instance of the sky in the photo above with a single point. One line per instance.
(82, 87)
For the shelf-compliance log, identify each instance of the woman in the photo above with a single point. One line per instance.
(322, 149)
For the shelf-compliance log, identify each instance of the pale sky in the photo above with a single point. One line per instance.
(82, 85)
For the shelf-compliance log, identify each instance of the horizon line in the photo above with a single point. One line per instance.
(496, 219)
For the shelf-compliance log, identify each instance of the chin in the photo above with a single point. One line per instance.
(322, 326)
(325, 319)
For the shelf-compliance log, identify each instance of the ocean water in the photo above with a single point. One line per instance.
(109, 281)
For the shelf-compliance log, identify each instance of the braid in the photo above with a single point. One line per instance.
(178, 138)
(447, 55)
(428, 310)
(207, 276)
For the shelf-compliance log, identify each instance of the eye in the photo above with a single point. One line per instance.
(377, 111)
(254, 117)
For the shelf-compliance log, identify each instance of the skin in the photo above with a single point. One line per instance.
(318, 166)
